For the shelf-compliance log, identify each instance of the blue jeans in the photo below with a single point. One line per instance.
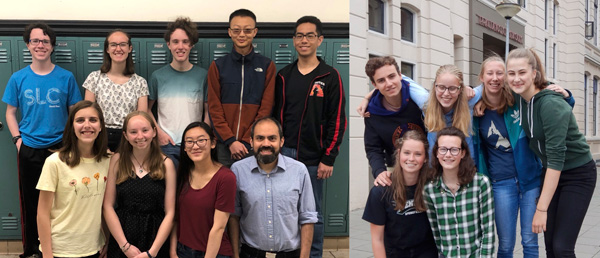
(184, 251)
(172, 151)
(316, 249)
(509, 200)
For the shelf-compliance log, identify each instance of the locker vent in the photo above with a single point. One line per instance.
(95, 56)
(159, 57)
(3, 55)
(219, 53)
(64, 55)
(134, 56)
(194, 56)
(283, 56)
(26, 56)
(10, 223)
(336, 220)
(343, 57)
(320, 53)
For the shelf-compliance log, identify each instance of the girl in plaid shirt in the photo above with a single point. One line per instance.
(460, 203)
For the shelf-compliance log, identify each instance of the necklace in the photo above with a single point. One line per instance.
(141, 169)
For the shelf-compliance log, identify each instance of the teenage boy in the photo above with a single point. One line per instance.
(178, 88)
(241, 87)
(310, 105)
(43, 93)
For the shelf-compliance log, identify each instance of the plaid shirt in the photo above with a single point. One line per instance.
(462, 223)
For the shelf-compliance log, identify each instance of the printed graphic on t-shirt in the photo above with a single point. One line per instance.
(401, 129)
(88, 184)
(317, 89)
(409, 208)
(502, 143)
(49, 97)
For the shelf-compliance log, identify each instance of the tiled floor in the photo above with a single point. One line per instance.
(588, 243)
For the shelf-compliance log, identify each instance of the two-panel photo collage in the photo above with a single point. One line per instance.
(288, 129)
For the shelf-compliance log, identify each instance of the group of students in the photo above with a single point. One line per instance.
(107, 159)
(448, 177)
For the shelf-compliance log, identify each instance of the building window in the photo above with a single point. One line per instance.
(546, 18)
(554, 18)
(546, 56)
(554, 60)
(376, 15)
(595, 106)
(585, 103)
(408, 69)
(596, 21)
(407, 23)
(521, 3)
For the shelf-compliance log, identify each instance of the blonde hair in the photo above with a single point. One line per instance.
(434, 114)
(506, 98)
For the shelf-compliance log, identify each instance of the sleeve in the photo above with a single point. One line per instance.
(215, 108)
(486, 216)
(375, 208)
(74, 93)
(279, 98)
(153, 87)
(226, 189)
(336, 120)
(90, 82)
(238, 202)
(432, 216)
(268, 96)
(555, 122)
(570, 100)
(143, 87)
(49, 177)
(418, 94)
(374, 148)
(11, 93)
(307, 210)
(478, 92)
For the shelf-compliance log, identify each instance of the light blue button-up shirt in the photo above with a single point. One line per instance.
(272, 207)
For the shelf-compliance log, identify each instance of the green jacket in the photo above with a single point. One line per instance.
(554, 136)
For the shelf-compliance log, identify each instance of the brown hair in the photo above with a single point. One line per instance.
(184, 23)
(69, 153)
(107, 61)
(398, 189)
(466, 168)
(434, 115)
(534, 60)
(375, 63)
(506, 98)
(156, 164)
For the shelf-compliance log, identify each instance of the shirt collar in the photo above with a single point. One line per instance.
(279, 168)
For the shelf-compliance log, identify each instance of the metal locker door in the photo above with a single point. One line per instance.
(157, 54)
(65, 56)
(93, 51)
(10, 225)
(196, 55)
(219, 48)
(282, 52)
(335, 207)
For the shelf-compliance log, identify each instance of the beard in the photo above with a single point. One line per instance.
(266, 159)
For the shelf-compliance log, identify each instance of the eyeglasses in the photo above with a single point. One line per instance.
(454, 150)
(237, 31)
(200, 142)
(450, 89)
(114, 45)
(309, 36)
(35, 42)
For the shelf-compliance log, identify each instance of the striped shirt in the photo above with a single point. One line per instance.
(462, 223)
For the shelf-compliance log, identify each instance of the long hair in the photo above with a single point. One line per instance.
(466, 168)
(107, 61)
(186, 165)
(534, 60)
(434, 114)
(69, 153)
(155, 162)
(506, 97)
(398, 189)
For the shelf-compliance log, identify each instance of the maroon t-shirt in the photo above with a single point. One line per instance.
(197, 211)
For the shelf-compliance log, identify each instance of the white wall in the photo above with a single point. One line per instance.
(153, 10)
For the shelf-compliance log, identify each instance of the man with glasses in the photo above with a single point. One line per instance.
(310, 105)
(178, 88)
(241, 86)
(43, 93)
(274, 205)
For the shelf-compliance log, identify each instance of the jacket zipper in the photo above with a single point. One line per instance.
(304, 112)
(237, 132)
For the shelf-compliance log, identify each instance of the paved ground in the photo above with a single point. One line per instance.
(588, 243)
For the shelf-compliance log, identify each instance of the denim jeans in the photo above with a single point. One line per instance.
(184, 251)
(172, 151)
(509, 200)
(316, 249)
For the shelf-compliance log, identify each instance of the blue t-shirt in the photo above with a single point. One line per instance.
(494, 137)
(43, 101)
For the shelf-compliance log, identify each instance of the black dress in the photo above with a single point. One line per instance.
(140, 206)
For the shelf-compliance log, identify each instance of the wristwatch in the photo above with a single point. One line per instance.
(16, 138)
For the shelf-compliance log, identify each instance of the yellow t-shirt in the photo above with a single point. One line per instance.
(76, 214)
